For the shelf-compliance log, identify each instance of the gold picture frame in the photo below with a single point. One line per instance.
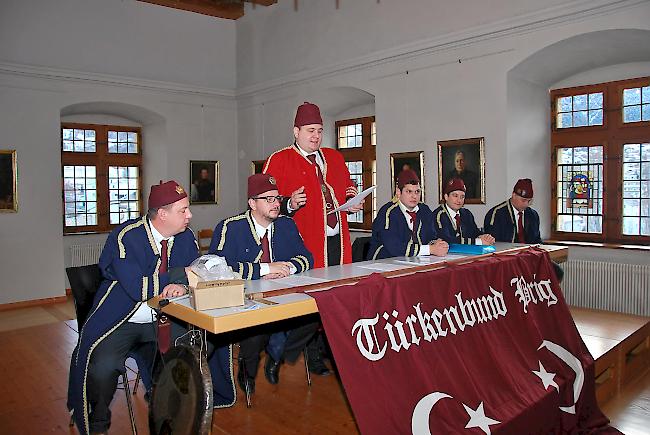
(204, 182)
(409, 160)
(464, 159)
(257, 166)
(8, 182)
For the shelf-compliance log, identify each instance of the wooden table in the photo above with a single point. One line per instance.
(273, 300)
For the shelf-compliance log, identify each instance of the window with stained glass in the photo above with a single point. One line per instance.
(580, 189)
(600, 181)
(101, 173)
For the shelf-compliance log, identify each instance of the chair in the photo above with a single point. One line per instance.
(84, 282)
(205, 234)
(360, 249)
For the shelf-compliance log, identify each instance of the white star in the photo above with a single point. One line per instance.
(477, 418)
(546, 377)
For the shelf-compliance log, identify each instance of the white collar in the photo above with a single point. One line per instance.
(157, 237)
(405, 210)
(261, 229)
(451, 212)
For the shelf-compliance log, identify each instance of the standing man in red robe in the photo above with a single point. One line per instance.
(316, 180)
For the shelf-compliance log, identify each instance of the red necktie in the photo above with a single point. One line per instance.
(520, 228)
(331, 218)
(266, 254)
(164, 326)
(457, 218)
(163, 257)
(414, 217)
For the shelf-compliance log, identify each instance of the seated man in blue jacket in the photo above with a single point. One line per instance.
(260, 243)
(404, 226)
(142, 258)
(513, 220)
(454, 223)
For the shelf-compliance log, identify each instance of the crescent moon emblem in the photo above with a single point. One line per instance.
(574, 364)
(420, 419)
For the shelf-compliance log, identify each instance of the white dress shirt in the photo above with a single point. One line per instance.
(424, 249)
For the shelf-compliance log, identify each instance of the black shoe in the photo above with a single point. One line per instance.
(243, 379)
(272, 370)
(318, 367)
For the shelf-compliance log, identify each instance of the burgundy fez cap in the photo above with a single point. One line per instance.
(407, 176)
(524, 188)
(260, 183)
(165, 194)
(306, 114)
(454, 184)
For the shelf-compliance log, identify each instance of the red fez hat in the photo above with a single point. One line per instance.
(524, 188)
(260, 183)
(454, 184)
(306, 114)
(407, 176)
(165, 193)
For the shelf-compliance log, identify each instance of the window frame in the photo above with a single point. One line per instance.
(366, 154)
(612, 135)
(101, 159)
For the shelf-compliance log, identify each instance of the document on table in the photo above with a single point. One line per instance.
(298, 281)
(354, 200)
(384, 267)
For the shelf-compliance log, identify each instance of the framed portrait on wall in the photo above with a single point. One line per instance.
(410, 160)
(257, 166)
(204, 182)
(464, 159)
(8, 187)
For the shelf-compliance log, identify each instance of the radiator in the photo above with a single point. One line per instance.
(624, 288)
(82, 255)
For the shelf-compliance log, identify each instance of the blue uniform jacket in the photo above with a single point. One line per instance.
(392, 237)
(130, 262)
(500, 222)
(236, 240)
(466, 234)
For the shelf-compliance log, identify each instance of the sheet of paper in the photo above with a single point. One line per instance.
(297, 281)
(419, 260)
(384, 267)
(354, 201)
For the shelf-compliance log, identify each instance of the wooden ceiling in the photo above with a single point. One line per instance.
(229, 9)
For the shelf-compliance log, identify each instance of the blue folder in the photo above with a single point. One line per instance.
(456, 248)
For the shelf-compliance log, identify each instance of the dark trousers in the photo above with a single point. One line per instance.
(107, 363)
(280, 344)
(334, 250)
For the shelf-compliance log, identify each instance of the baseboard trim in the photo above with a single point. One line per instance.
(34, 302)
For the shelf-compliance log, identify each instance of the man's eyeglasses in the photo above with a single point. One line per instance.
(270, 199)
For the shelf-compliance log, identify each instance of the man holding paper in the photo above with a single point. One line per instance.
(260, 243)
(317, 181)
(405, 226)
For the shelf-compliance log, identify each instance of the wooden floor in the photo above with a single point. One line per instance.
(35, 361)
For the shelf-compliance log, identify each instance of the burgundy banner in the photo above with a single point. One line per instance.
(482, 348)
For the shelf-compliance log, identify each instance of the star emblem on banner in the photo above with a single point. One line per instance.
(477, 418)
(548, 378)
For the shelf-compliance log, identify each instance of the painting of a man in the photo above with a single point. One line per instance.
(204, 182)
(463, 159)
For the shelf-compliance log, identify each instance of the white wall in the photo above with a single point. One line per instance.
(119, 38)
(169, 71)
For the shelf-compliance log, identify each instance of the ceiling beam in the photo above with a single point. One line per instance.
(230, 10)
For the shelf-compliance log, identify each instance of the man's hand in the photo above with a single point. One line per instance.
(172, 291)
(356, 208)
(487, 239)
(298, 198)
(438, 248)
(278, 269)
